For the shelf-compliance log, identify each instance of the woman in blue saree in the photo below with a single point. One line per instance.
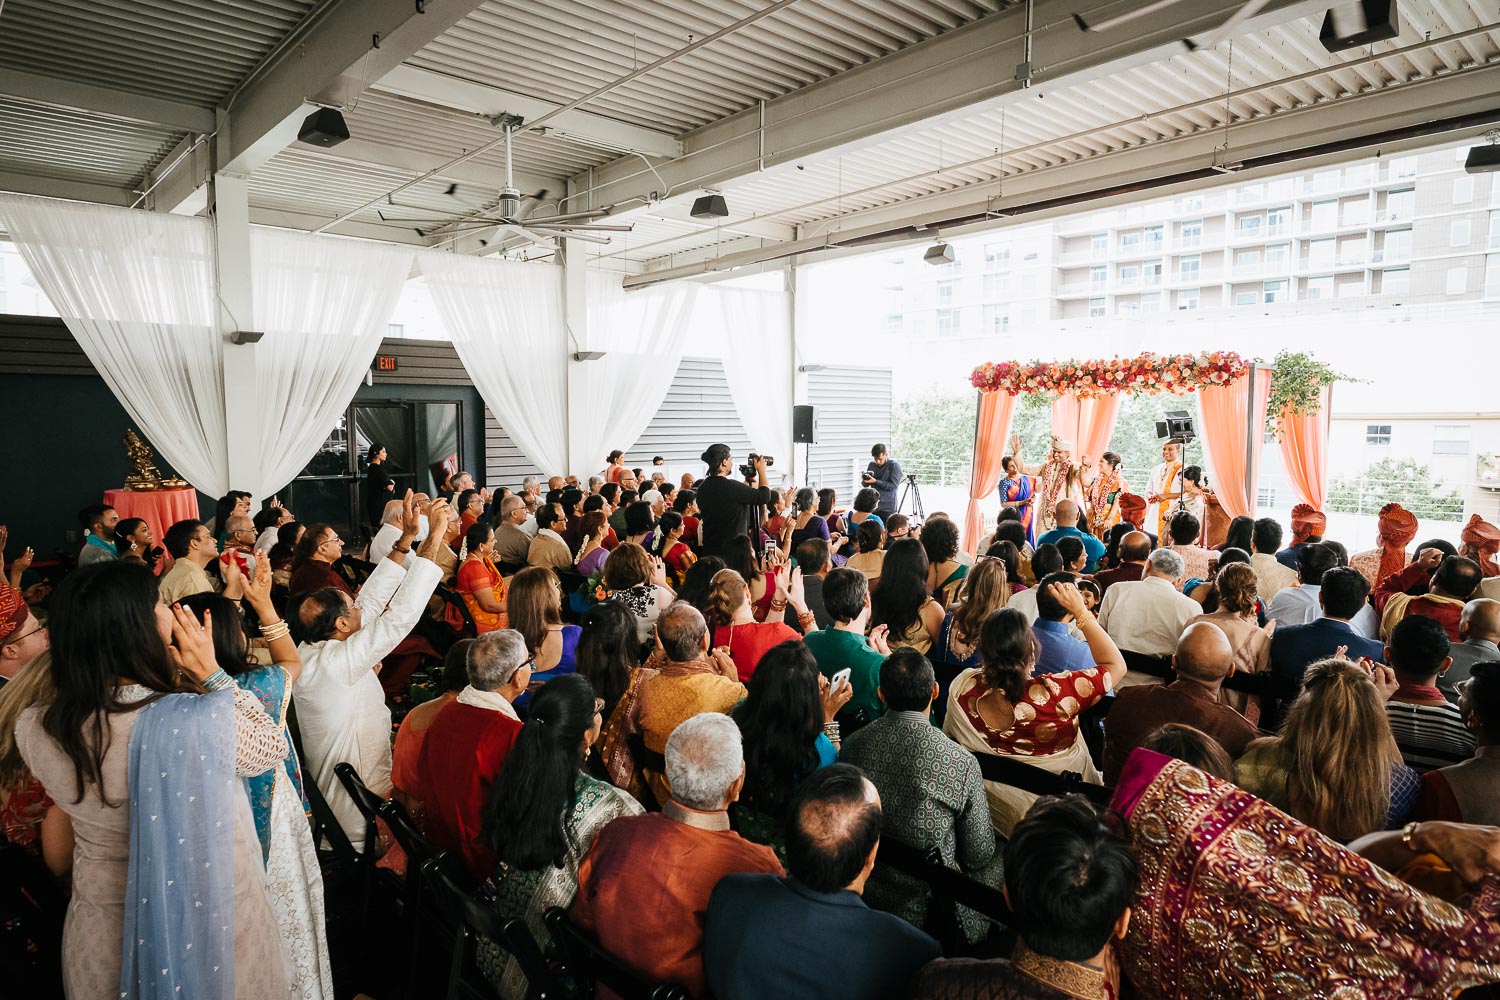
(1016, 490)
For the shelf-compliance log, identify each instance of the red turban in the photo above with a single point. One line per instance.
(1307, 522)
(1485, 537)
(13, 611)
(1397, 527)
(1132, 508)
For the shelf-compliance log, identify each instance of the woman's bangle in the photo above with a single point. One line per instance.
(217, 680)
(778, 605)
(805, 620)
(1407, 833)
(275, 629)
(831, 730)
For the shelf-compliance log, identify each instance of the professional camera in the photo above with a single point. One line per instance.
(748, 469)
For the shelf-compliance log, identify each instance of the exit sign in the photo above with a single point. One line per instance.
(385, 362)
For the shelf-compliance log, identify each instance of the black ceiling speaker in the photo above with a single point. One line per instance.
(1360, 22)
(710, 206)
(324, 127)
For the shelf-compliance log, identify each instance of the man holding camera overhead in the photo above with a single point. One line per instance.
(883, 475)
(726, 506)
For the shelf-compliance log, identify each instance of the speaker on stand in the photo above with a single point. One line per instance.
(805, 433)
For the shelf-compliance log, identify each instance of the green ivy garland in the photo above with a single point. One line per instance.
(1297, 383)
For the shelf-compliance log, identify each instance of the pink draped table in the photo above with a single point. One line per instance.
(159, 508)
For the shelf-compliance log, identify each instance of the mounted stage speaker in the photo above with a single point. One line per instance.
(805, 424)
(1357, 23)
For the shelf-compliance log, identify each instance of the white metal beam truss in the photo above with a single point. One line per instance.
(417, 161)
(329, 65)
(59, 187)
(364, 230)
(73, 95)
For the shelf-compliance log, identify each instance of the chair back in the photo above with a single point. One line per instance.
(366, 801)
(475, 920)
(405, 831)
(456, 613)
(646, 759)
(1038, 781)
(1156, 666)
(326, 826)
(354, 570)
(586, 961)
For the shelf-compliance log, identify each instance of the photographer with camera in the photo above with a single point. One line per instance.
(884, 476)
(728, 507)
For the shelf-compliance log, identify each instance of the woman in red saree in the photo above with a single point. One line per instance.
(1238, 899)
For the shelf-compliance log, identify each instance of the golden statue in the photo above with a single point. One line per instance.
(145, 478)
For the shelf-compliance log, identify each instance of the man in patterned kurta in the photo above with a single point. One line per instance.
(931, 792)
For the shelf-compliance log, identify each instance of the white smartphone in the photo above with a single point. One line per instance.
(842, 677)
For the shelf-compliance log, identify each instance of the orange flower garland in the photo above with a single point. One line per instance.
(1145, 373)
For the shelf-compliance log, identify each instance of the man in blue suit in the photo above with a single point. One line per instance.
(1294, 647)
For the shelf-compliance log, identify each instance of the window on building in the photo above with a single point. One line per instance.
(1246, 261)
(1247, 298)
(1098, 245)
(395, 330)
(1458, 280)
(1188, 267)
(1356, 211)
(1400, 204)
(1492, 276)
(1276, 290)
(1130, 241)
(1151, 272)
(1150, 302)
(1029, 256)
(1325, 214)
(996, 285)
(1378, 434)
(1463, 189)
(945, 292)
(1130, 274)
(1402, 167)
(1192, 232)
(996, 254)
(1351, 289)
(1397, 245)
(1326, 180)
(1096, 308)
(1458, 233)
(996, 320)
(1450, 439)
(1187, 300)
(1248, 225)
(1321, 253)
(1360, 173)
(1028, 282)
(1495, 222)
(1128, 307)
(1191, 203)
(1395, 281)
(1279, 221)
(1098, 278)
(1250, 193)
(1277, 255)
(947, 323)
(1153, 236)
(894, 322)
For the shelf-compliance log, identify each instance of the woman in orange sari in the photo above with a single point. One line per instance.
(480, 583)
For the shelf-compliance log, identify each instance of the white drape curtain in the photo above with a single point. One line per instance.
(758, 363)
(136, 291)
(506, 321)
(643, 335)
(324, 305)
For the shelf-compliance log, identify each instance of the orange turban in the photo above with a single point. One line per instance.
(1132, 508)
(13, 611)
(1307, 522)
(1485, 537)
(1397, 527)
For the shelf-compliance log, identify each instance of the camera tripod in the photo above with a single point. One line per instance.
(914, 491)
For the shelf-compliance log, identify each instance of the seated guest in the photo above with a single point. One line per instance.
(341, 709)
(549, 548)
(814, 560)
(1479, 642)
(1184, 530)
(617, 516)
(865, 502)
(1207, 922)
(869, 538)
(1394, 530)
(1070, 880)
(193, 547)
(810, 933)
(1428, 728)
(691, 681)
(22, 637)
(1147, 616)
(1193, 746)
(644, 886)
(1308, 525)
(1067, 527)
(640, 522)
(1045, 561)
(1207, 594)
(411, 735)
(1074, 556)
(572, 508)
(1058, 652)
(390, 527)
(479, 582)
(512, 543)
(843, 645)
(1480, 542)
(1001, 709)
(592, 554)
(902, 603)
(696, 584)
(945, 571)
(1234, 588)
(312, 562)
(272, 516)
(787, 721)
(685, 502)
(470, 506)
(632, 579)
(1452, 585)
(1203, 660)
(542, 815)
(985, 590)
(1133, 512)
(899, 526)
(1415, 578)
(468, 743)
(134, 540)
(1271, 576)
(1293, 647)
(1470, 792)
(239, 544)
(280, 557)
(610, 657)
(534, 606)
(99, 524)
(1334, 764)
(1135, 549)
(735, 627)
(1299, 605)
(668, 546)
(932, 789)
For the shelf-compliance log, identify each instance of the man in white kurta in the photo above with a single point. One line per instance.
(341, 710)
(1163, 489)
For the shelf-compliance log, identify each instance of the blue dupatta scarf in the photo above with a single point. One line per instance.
(1016, 491)
(178, 936)
(269, 686)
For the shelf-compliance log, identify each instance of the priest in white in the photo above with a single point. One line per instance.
(1164, 488)
(341, 710)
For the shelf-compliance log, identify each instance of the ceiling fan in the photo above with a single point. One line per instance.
(506, 216)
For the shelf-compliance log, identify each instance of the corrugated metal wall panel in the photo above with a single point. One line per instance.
(854, 412)
(697, 412)
(38, 345)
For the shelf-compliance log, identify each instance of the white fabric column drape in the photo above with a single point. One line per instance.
(324, 305)
(506, 321)
(136, 291)
(643, 335)
(758, 364)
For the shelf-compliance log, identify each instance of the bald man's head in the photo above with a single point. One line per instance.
(1135, 547)
(1204, 654)
(1067, 513)
(1480, 620)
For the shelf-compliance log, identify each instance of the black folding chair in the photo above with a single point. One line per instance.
(587, 962)
(1014, 774)
(377, 882)
(354, 570)
(950, 889)
(646, 759)
(31, 939)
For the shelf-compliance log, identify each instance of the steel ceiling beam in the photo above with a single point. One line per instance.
(72, 95)
(57, 187)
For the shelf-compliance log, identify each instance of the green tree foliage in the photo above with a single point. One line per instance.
(1404, 481)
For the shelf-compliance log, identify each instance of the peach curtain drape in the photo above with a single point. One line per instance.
(1304, 450)
(1224, 427)
(1088, 423)
(991, 428)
